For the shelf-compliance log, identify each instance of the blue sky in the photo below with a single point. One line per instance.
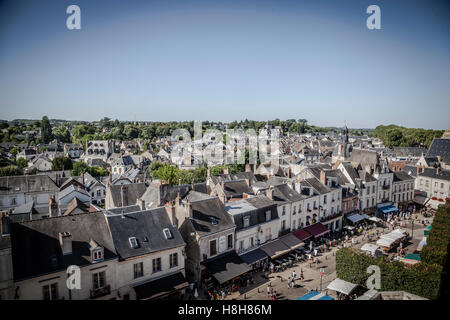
(227, 60)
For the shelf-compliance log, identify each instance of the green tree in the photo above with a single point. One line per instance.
(21, 163)
(46, 130)
(60, 163)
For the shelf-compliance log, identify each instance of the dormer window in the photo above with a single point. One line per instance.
(133, 242)
(97, 252)
(268, 215)
(246, 221)
(97, 255)
(213, 221)
(167, 234)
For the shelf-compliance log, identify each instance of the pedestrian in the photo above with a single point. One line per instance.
(293, 275)
(268, 290)
(301, 274)
(289, 282)
(223, 295)
(315, 252)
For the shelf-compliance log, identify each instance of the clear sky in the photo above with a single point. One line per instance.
(227, 60)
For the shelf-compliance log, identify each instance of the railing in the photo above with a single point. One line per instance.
(100, 292)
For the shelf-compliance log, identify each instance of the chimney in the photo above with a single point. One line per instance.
(269, 193)
(340, 149)
(4, 225)
(170, 209)
(52, 206)
(208, 173)
(247, 167)
(65, 240)
(142, 204)
(438, 170)
(188, 207)
(323, 177)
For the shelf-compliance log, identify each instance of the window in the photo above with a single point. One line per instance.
(268, 215)
(241, 245)
(373, 189)
(299, 209)
(268, 234)
(284, 211)
(167, 233)
(246, 221)
(230, 241)
(174, 260)
(133, 242)
(98, 280)
(13, 201)
(50, 291)
(98, 255)
(325, 199)
(213, 221)
(99, 193)
(294, 211)
(212, 247)
(283, 225)
(138, 270)
(156, 265)
(251, 242)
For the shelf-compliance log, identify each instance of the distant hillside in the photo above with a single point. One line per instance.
(396, 136)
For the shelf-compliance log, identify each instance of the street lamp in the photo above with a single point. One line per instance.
(321, 276)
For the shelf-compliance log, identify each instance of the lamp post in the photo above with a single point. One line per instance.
(321, 276)
(412, 229)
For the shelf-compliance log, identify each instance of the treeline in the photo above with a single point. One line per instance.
(396, 136)
(173, 175)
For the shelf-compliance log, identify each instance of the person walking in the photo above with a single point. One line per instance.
(301, 274)
(289, 282)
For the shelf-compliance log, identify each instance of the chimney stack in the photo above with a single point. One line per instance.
(247, 167)
(269, 193)
(65, 240)
(52, 206)
(122, 195)
(188, 207)
(438, 170)
(142, 204)
(323, 177)
(170, 209)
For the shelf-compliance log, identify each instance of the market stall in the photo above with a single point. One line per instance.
(342, 286)
(315, 295)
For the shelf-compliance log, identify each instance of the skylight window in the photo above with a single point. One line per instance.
(167, 233)
(213, 221)
(133, 242)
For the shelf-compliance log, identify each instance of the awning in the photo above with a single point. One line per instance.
(369, 247)
(421, 244)
(275, 248)
(161, 287)
(317, 229)
(292, 241)
(420, 199)
(226, 267)
(375, 219)
(342, 286)
(302, 235)
(356, 218)
(253, 256)
(315, 295)
(388, 209)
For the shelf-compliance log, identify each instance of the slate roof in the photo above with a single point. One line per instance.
(285, 193)
(317, 185)
(257, 212)
(35, 242)
(203, 211)
(440, 147)
(364, 157)
(431, 173)
(132, 192)
(27, 184)
(236, 188)
(409, 151)
(141, 224)
(402, 176)
(411, 170)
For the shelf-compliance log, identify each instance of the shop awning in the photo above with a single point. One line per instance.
(342, 286)
(420, 199)
(369, 247)
(253, 256)
(375, 219)
(302, 235)
(388, 209)
(226, 267)
(421, 244)
(275, 248)
(161, 287)
(315, 295)
(317, 229)
(292, 241)
(356, 218)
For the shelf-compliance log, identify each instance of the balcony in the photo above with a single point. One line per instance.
(386, 187)
(100, 292)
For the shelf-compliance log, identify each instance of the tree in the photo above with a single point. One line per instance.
(62, 134)
(60, 163)
(167, 172)
(46, 130)
(10, 171)
(21, 163)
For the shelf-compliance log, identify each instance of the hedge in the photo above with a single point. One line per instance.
(422, 279)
